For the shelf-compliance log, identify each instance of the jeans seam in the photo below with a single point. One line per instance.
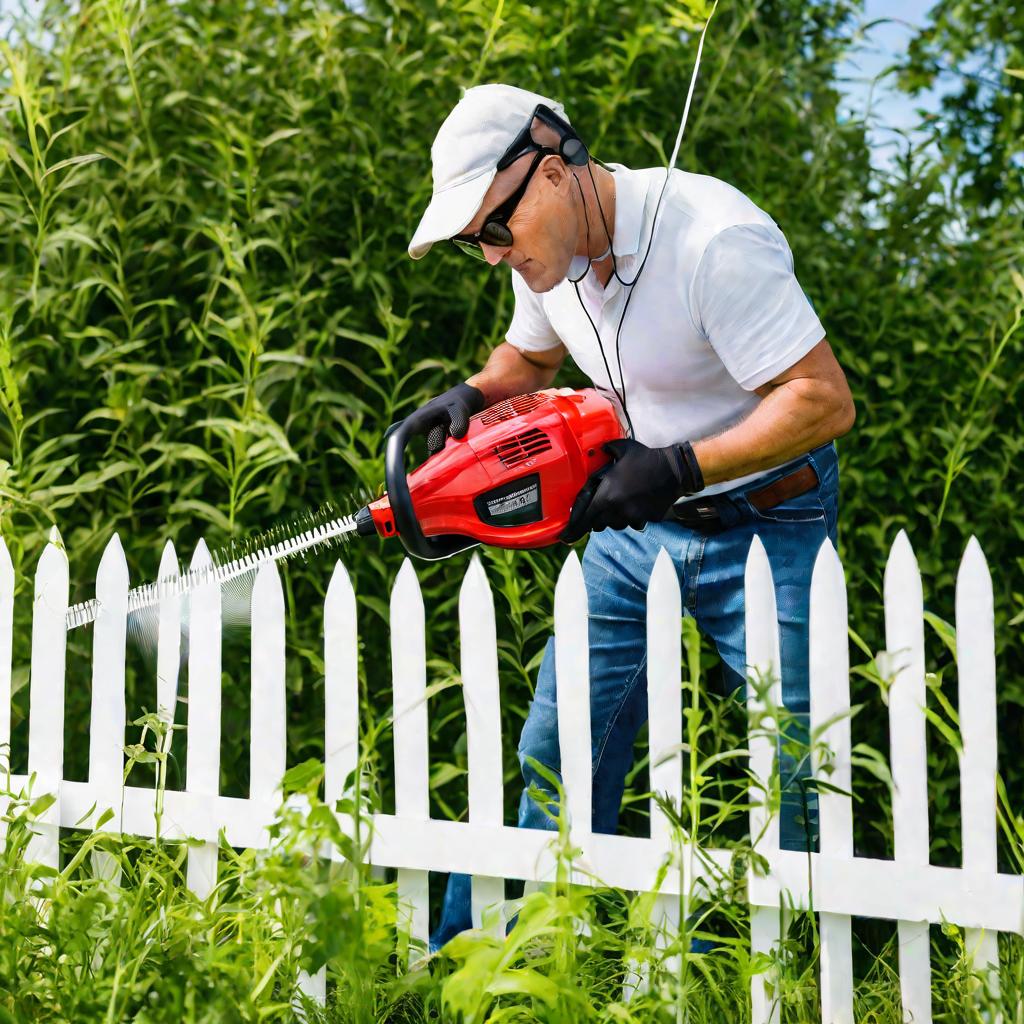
(691, 602)
(640, 670)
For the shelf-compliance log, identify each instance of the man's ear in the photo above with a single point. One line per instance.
(555, 171)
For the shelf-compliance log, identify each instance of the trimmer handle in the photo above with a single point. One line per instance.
(431, 548)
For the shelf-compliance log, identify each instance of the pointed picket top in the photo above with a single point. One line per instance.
(664, 694)
(407, 583)
(341, 684)
(572, 688)
(112, 574)
(201, 558)
(6, 645)
(267, 711)
(55, 538)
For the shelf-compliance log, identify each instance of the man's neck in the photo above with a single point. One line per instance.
(600, 210)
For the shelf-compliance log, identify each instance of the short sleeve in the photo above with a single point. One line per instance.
(749, 305)
(530, 329)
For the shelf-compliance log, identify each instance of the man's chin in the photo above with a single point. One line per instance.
(539, 279)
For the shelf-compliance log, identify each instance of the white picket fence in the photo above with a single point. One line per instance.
(906, 889)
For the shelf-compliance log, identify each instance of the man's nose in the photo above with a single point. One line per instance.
(494, 253)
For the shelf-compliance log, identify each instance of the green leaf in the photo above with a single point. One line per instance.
(74, 161)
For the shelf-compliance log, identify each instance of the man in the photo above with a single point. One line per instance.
(731, 391)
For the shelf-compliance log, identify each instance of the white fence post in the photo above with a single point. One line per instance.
(665, 738)
(479, 647)
(107, 717)
(6, 645)
(46, 696)
(202, 765)
(267, 710)
(341, 689)
(904, 641)
(412, 793)
(976, 670)
(830, 728)
(762, 641)
(572, 688)
(168, 647)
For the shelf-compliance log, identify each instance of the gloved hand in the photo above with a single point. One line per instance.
(639, 486)
(446, 414)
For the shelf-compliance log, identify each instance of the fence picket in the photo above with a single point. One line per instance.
(762, 642)
(976, 668)
(830, 726)
(107, 717)
(412, 794)
(904, 641)
(46, 696)
(6, 647)
(665, 738)
(341, 687)
(202, 763)
(267, 710)
(572, 689)
(168, 647)
(479, 648)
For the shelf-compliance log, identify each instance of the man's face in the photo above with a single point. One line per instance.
(544, 226)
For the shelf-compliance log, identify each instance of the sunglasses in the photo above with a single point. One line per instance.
(496, 231)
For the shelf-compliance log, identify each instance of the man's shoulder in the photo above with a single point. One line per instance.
(710, 204)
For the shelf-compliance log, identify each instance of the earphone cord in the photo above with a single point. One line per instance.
(650, 241)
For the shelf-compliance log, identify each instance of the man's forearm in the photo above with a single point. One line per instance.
(791, 420)
(508, 372)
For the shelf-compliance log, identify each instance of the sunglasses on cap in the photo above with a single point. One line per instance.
(495, 230)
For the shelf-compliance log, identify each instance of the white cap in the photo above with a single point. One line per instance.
(465, 155)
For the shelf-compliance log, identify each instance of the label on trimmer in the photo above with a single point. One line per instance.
(513, 504)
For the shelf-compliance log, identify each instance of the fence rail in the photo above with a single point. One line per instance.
(907, 889)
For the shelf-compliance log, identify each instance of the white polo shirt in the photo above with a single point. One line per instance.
(716, 312)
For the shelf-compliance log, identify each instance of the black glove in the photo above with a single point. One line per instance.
(639, 486)
(447, 414)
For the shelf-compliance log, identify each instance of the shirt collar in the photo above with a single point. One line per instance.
(630, 197)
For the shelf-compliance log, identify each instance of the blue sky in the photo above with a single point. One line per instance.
(876, 49)
(879, 46)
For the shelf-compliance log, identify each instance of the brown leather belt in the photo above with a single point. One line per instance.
(789, 486)
(702, 513)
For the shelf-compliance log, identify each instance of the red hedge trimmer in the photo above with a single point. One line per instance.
(510, 482)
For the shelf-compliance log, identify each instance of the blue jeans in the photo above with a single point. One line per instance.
(710, 566)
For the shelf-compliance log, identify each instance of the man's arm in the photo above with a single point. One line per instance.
(803, 407)
(511, 371)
